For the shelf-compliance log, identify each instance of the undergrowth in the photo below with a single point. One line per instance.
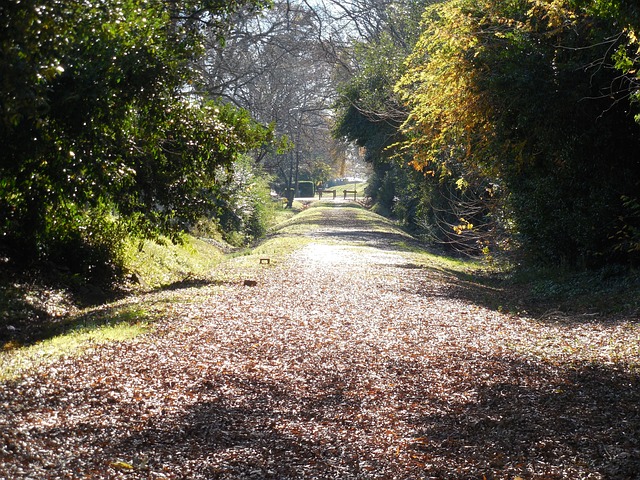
(611, 290)
(153, 265)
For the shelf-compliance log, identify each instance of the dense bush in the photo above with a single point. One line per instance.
(87, 244)
(100, 136)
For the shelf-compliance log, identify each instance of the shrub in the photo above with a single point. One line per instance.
(243, 200)
(85, 242)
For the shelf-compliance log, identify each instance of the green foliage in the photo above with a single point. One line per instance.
(362, 118)
(369, 112)
(398, 192)
(628, 235)
(244, 207)
(428, 198)
(94, 112)
(156, 265)
(88, 242)
(321, 172)
(370, 115)
(524, 94)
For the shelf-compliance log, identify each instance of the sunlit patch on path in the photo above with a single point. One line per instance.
(323, 256)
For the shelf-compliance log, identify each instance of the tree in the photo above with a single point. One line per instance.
(523, 94)
(98, 131)
(370, 113)
(273, 65)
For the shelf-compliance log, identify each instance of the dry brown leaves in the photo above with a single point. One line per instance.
(344, 362)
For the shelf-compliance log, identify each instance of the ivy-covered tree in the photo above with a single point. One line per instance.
(370, 113)
(525, 95)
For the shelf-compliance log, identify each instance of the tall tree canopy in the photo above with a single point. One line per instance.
(275, 65)
(370, 113)
(517, 119)
(483, 120)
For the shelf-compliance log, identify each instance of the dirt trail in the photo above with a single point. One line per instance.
(348, 360)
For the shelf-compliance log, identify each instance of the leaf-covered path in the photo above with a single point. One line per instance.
(349, 359)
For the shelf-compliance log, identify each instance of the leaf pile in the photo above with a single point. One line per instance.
(345, 361)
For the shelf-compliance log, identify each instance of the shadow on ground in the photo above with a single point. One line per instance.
(380, 240)
(24, 320)
(530, 420)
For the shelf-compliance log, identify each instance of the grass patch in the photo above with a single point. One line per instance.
(455, 265)
(315, 215)
(358, 187)
(282, 214)
(157, 265)
(73, 338)
(302, 223)
(284, 239)
(381, 224)
(280, 246)
(610, 290)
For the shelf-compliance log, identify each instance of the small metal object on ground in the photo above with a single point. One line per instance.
(265, 260)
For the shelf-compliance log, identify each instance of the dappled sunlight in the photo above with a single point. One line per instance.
(347, 359)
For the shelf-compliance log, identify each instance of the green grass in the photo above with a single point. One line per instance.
(280, 246)
(283, 239)
(359, 187)
(378, 223)
(160, 265)
(157, 265)
(609, 290)
(282, 214)
(458, 265)
(74, 337)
